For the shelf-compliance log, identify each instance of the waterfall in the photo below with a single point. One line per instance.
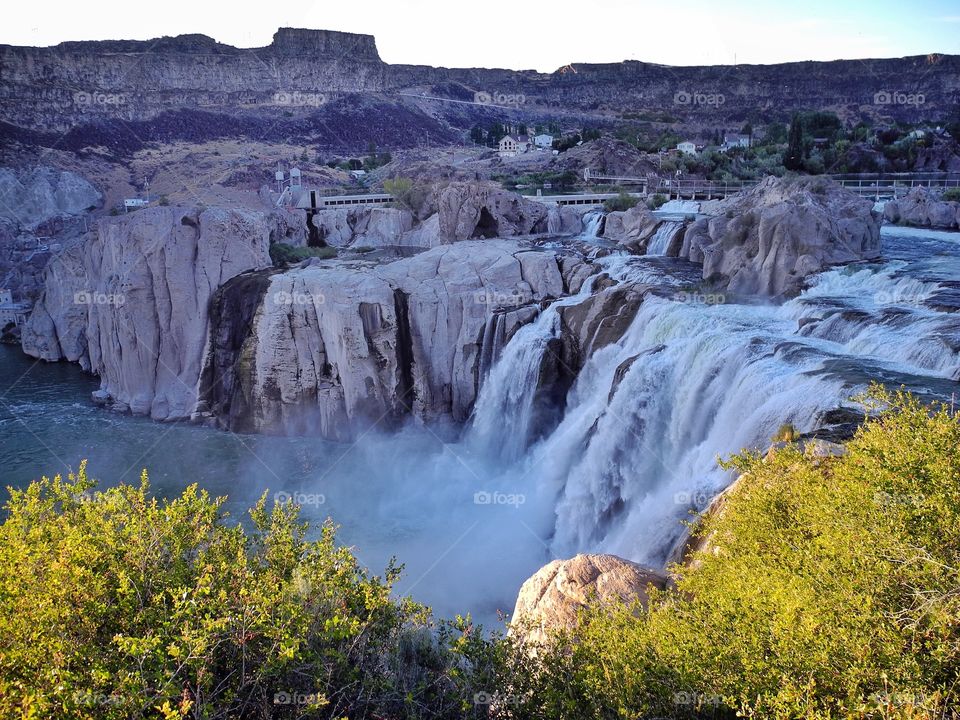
(690, 381)
(660, 242)
(593, 224)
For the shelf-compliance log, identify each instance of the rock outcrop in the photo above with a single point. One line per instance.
(631, 228)
(551, 599)
(336, 346)
(471, 210)
(131, 304)
(42, 209)
(366, 226)
(922, 207)
(35, 195)
(769, 239)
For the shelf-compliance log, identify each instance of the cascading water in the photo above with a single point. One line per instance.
(690, 381)
(660, 242)
(592, 224)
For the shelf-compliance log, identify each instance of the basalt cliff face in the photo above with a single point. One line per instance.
(308, 80)
(181, 313)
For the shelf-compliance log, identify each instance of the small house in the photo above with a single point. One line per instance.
(687, 148)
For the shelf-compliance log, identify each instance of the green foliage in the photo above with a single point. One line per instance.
(623, 201)
(283, 254)
(793, 157)
(785, 433)
(826, 588)
(407, 193)
(952, 194)
(656, 201)
(116, 605)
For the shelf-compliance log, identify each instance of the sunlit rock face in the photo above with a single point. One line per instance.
(551, 598)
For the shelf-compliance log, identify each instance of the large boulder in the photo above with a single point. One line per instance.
(769, 239)
(923, 207)
(631, 228)
(363, 226)
(35, 195)
(551, 599)
(476, 210)
(141, 290)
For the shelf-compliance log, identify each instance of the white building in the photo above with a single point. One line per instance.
(134, 203)
(510, 146)
(11, 312)
(543, 141)
(735, 141)
(687, 148)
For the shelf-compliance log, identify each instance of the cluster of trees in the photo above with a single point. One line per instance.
(373, 160)
(829, 590)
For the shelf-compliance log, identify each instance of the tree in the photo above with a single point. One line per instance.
(477, 135)
(793, 157)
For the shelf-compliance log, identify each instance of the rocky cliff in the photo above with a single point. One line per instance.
(333, 347)
(131, 305)
(306, 72)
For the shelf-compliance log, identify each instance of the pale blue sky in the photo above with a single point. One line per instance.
(520, 35)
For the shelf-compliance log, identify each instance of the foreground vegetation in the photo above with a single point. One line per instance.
(828, 588)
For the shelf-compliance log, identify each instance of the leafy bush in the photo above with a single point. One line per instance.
(827, 589)
(656, 201)
(952, 194)
(623, 201)
(283, 254)
(117, 605)
(407, 194)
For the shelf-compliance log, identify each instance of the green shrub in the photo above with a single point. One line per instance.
(656, 201)
(283, 254)
(952, 194)
(828, 590)
(116, 605)
(623, 201)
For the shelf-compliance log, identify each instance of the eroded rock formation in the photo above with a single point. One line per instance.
(131, 305)
(335, 346)
(922, 207)
(769, 239)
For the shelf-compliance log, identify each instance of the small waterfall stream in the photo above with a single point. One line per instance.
(660, 242)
